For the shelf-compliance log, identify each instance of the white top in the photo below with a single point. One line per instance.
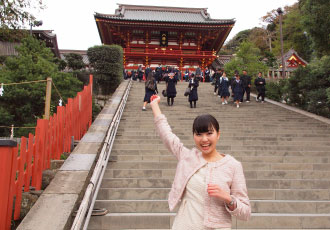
(191, 212)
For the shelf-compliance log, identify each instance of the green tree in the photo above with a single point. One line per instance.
(247, 58)
(24, 104)
(316, 21)
(309, 87)
(232, 45)
(15, 15)
(74, 61)
(294, 34)
(107, 62)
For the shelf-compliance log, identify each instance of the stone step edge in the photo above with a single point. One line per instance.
(252, 214)
(300, 111)
(148, 178)
(265, 201)
(266, 189)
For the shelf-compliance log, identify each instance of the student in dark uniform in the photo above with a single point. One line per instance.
(158, 74)
(224, 88)
(147, 70)
(186, 75)
(216, 78)
(134, 75)
(246, 86)
(150, 89)
(207, 74)
(170, 88)
(237, 88)
(198, 73)
(140, 73)
(193, 96)
(260, 84)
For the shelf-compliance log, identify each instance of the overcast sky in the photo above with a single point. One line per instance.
(74, 24)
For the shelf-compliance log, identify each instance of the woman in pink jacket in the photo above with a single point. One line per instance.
(209, 186)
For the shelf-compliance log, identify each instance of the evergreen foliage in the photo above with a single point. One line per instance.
(316, 20)
(310, 86)
(15, 15)
(276, 90)
(74, 61)
(107, 62)
(23, 104)
(247, 58)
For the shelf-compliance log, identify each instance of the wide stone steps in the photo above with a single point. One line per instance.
(241, 158)
(165, 220)
(285, 156)
(250, 174)
(259, 206)
(251, 183)
(262, 194)
(231, 152)
(227, 147)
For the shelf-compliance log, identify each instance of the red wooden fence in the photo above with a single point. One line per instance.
(22, 166)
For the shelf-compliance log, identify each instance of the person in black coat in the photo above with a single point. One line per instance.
(207, 74)
(134, 75)
(193, 96)
(140, 73)
(260, 84)
(186, 75)
(216, 79)
(147, 70)
(246, 86)
(150, 89)
(170, 88)
(237, 89)
(198, 73)
(224, 88)
(158, 74)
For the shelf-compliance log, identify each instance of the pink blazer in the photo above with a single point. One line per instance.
(227, 173)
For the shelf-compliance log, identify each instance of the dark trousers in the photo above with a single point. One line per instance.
(168, 100)
(262, 95)
(247, 90)
(215, 87)
(191, 104)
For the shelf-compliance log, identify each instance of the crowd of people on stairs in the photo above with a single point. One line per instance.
(237, 87)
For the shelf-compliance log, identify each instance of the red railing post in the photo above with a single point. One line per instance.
(7, 149)
(28, 170)
(21, 166)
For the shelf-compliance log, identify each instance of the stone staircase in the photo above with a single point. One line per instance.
(285, 155)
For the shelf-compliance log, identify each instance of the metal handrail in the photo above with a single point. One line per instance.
(93, 187)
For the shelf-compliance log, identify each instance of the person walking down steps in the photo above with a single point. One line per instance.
(193, 85)
(237, 89)
(210, 185)
(260, 84)
(170, 88)
(224, 88)
(150, 89)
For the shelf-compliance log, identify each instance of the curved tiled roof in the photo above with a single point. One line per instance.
(163, 14)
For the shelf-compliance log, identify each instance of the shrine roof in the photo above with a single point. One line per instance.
(163, 14)
(291, 52)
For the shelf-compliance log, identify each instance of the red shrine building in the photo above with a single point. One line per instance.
(291, 60)
(171, 36)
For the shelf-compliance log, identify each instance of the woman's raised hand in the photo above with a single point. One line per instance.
(154, 103)
(154, 99)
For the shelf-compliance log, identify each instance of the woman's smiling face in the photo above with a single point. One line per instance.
(206, 142)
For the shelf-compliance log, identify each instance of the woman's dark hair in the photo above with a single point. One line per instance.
(205, 123)
(150, 76)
